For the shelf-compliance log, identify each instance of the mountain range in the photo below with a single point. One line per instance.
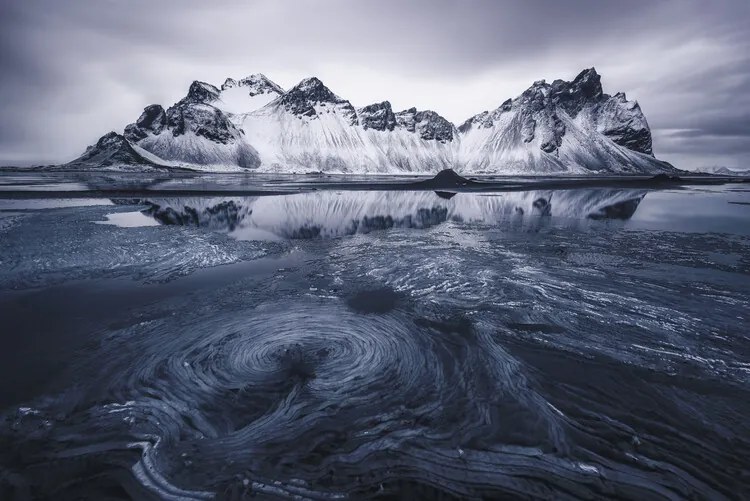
(252, 124)
(724, 171)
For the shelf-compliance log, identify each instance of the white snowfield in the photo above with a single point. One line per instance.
(310, 129)
(581, 151)
(327, 142)
(193, 151)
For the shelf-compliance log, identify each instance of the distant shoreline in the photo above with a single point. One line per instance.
(269, 184)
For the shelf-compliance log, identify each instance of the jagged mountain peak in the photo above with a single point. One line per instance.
(195, 130)
(378, 116)
(310, 83)
(153, 120)
(429, 124)
(311, 93)
(258, 83)
(588, 75)
(542, 108)
(587, 84)
(585, 88)
(381, 104)
(314, 90)
(563, 124)
(202, 92)
(229, 83)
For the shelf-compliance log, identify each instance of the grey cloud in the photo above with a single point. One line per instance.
(701, 143)
(79, 68)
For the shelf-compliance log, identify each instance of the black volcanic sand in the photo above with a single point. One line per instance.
(445, 183)
(422, 353)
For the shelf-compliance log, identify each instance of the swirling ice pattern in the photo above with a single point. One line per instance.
(320, 401)
(292, 398)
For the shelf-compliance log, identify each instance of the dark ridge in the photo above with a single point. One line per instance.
(378, 116)
(429, 124)
(111, 149)
(206, 121)
(153, 120)
(201, 92)
(444, 179)
(301, 100)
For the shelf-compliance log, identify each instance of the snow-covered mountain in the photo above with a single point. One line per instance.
(561, 127)
(193, 132)
(310, 128)
(253, 124)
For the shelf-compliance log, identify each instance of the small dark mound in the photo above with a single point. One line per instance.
(444, 179)
(111, 149)
(380, 300)
(448, 177)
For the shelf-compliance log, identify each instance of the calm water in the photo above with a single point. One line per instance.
(376, 344)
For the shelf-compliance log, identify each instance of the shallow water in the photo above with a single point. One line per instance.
(378, 344)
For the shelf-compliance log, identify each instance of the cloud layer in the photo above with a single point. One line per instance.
(74, 70)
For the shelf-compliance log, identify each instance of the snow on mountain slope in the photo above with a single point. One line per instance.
(193, 133)
(113, 152)
(247, 94)
(624, 122)
(560, 127)
(312, 129)
(563, 127)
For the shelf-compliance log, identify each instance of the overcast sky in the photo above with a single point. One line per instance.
(72, 70)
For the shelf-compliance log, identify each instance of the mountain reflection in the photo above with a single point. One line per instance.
(333, 214)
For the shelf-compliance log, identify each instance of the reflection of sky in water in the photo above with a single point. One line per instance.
(129, 220)
(704, 210)
(51, 203)
(9, 186)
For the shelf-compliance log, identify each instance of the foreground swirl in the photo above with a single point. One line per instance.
(323, 400)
